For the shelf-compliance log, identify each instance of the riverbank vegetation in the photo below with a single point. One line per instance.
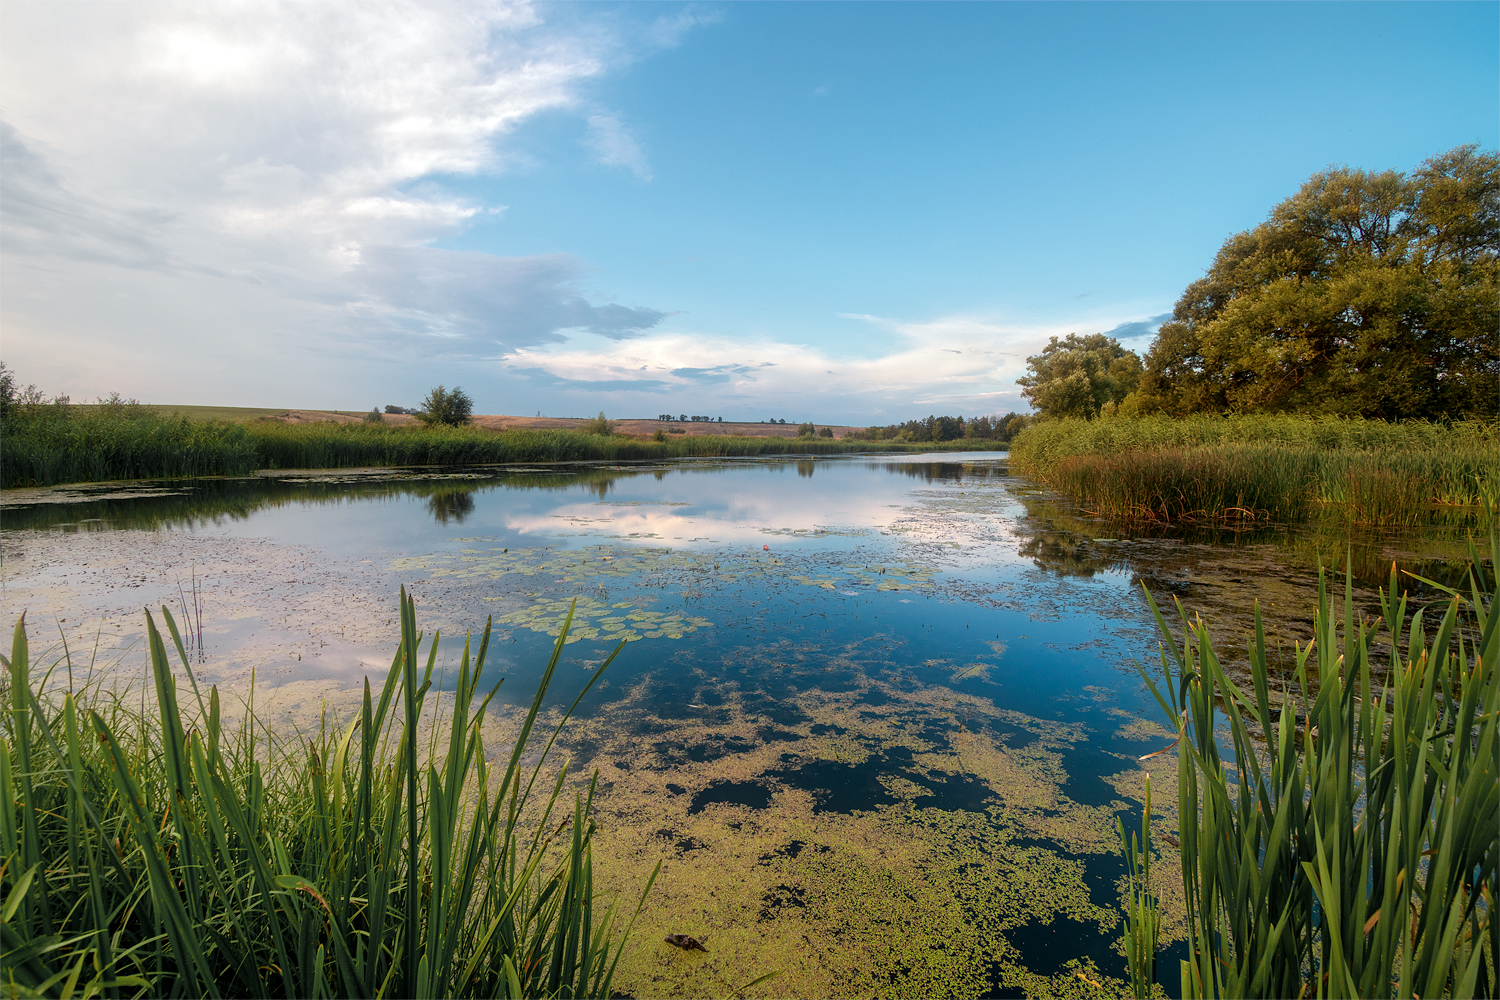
(168, 852)
(1348, 845)
(46, 443)
(1267, 468)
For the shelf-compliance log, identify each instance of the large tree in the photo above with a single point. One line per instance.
(1373, 294)
(1077, 376)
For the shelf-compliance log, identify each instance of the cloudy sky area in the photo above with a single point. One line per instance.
(844, 212)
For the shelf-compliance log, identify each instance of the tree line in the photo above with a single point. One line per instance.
(935, 428)
(1369, 294)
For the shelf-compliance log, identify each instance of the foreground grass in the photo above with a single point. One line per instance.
(164, 853)
(1267, 468)
(1351, 845)
(51, 444)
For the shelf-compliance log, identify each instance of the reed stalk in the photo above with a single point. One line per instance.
(1349, 844)
(171, 854)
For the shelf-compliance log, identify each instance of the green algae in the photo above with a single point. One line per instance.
(899, 899)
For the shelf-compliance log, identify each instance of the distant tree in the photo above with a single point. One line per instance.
(806, 430)
(446, 407)
(374, 417)
(1372, 294)
(1077, 376)
(825, 432)
(7, 390)
(389, 408)
(683, 417)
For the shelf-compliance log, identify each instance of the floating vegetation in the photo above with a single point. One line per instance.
(604, 564)
(910, 851)
(593, 619)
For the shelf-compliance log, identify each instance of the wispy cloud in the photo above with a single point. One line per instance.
(614, 146)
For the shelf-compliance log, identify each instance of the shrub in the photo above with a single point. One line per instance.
(825, 432)
(444, 407)
(374, 417)
(806, 430)
(598, 425)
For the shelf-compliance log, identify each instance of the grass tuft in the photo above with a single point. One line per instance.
(168, 853)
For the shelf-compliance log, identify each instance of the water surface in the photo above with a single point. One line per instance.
(876, 716)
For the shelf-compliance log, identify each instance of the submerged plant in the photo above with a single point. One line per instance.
(1350, 847)
(182, 857)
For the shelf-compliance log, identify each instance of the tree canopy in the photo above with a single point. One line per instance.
(1078, 376)
(1364, 294)
(444, 406)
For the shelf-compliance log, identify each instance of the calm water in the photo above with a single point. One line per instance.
(877, 717)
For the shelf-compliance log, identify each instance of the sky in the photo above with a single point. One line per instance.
(844, 212)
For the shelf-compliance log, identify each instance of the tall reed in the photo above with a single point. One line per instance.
(1351, 844)
(1267, 468)
(170, 854)
(54, 443)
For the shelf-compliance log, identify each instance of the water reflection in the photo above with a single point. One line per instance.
(453, 505)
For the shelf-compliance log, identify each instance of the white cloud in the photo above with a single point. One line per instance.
(613, 144)
(208, 172)
(953, 365)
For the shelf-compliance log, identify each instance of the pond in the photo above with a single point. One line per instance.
(876, 716)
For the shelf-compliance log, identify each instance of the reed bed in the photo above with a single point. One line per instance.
(1268, 468)
(1349, 846)
(168, 853)
(54, 443)
(332, 446)
(59, 444)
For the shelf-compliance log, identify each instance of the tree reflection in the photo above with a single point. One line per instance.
(451, 506)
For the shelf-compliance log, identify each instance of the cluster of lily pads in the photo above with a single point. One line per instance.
(622, 621)
(603, 563)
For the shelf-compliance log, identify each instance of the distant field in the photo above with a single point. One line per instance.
(213, 412)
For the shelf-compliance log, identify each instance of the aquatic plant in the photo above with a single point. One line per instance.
(1351, 847)
(43, 444)
(1266, 468)
(170, 854)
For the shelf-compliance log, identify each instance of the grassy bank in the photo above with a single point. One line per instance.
(162, 852)
(51, 444)
(1267, 468)
(331, 446)
(1348, 846)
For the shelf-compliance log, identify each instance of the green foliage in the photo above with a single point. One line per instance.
(806, 430)
(1142, 929)
(1350, 846)
(374, 416)
(825, 432)
(934, 429)
(170, 854)
(1373, 294)
(7, 389)
(1282, 468)
(1079, 376)
(997, 428)
(598, 425)
(449, 408)
(42, 443)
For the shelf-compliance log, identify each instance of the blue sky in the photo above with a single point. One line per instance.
(838, 212)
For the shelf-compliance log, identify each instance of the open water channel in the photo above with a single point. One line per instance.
(876, 716)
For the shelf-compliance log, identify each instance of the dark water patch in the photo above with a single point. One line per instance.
(689, 844)
(875, 696)
(1046, 948)
(780, 711)
(954, 792)
(836, 787)
(713, 749)
(823, 729)
(770, 734)
(675, 789)
(738, 793)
